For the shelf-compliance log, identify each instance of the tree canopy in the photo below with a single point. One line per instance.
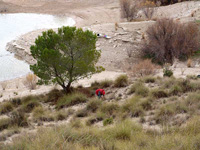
(65, 56)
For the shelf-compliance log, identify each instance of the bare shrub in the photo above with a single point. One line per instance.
(144, 68)
(168, 40)
(4, 85)
(31, 81)
(128, 9)
(148, 8)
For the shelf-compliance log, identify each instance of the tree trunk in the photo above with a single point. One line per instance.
(67, 88)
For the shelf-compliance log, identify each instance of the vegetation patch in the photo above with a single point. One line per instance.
(121, 81)
(6, 107)
(71, 99)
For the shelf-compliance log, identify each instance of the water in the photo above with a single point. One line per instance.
(14, 25)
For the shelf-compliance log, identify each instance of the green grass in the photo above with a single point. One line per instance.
(70, 100)
(107, 121)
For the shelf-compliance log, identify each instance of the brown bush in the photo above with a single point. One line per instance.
(168, 39)
(31, 81)
(144, 68)
(128, 9)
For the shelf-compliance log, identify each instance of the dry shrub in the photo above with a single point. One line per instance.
(189, 63)
(31, 81)
(168, 40)
(144, 68)
(128, 9)
(148, 8)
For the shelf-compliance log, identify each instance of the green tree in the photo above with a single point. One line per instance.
(65, 57)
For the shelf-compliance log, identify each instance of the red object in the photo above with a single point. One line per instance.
(100, 90)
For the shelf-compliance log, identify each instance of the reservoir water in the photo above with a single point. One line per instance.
(14, 25)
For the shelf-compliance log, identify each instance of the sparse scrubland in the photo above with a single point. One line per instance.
(159, 113)
(140, 110)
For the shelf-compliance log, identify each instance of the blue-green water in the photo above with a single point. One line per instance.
(14, 25)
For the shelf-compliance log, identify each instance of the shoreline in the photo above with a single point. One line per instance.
(101, 19)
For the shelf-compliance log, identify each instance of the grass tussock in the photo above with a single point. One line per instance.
(121, 81)
(6, 107)
(159, 93)
(149, 79)
(70, 100)
(110, 108)
(93, 105)
(123, 136)
(139, 89)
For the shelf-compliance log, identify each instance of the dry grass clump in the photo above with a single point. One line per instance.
(149, 79)
(41, 114)
(139, 89)
(144, 68)
(5, 123)
(146, 103)
(121, 81)
(110, 109)
(76, 123)
(18, 118)
(94, 119)
(93, 105)
(62, 115)
(29, 105)
(166, 113)
(70, 100)
(124, 130)
(106, 83)
(101, 84)
(193, 102)
(82, 113)
(31, 81)
(133, 107)
(6, 107)
(53, 96)
(159, 93)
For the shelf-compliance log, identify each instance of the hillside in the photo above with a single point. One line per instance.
(137, 111)
(151, 81)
